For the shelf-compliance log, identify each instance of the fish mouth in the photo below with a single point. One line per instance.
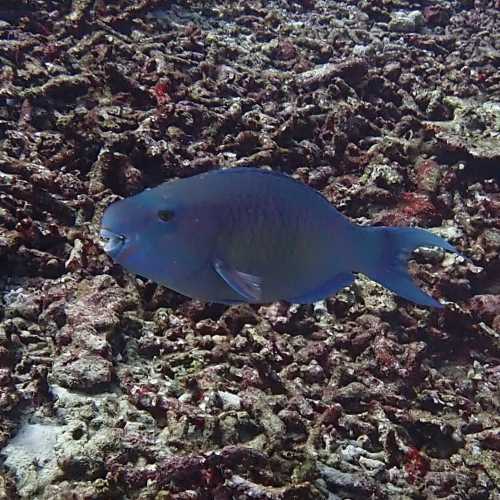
(112, 242)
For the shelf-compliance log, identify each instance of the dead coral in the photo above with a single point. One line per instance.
(388, 108)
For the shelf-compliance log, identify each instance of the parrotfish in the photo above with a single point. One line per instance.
(256, 236)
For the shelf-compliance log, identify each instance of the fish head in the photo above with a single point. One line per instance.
(152, 234)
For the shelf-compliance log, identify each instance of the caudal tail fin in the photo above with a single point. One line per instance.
(394, 246)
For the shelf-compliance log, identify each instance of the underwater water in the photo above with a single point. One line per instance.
(113, 386)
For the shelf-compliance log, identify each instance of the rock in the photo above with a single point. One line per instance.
(82, 371)
(31, 456)
(474, 128)
(485, 306)
(427, 176)
(436, 15)
(20, 303)
(392, 70)
(411, 209)
(353, 483)
(8, 488)
(406, 22)
(384, 176)
(351, 70)
(97, 490)
(229, 401)
(449, 232)
(375, 297)
(490, 239)
(489, 439)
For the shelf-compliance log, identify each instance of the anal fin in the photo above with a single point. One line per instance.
(330, 287)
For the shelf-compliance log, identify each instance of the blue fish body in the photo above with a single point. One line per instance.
(250, 235)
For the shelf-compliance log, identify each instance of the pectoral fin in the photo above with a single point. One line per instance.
(247, 285)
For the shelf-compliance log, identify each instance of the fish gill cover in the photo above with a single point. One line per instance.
(115, 387)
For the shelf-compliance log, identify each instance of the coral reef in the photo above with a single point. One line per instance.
(114, 387)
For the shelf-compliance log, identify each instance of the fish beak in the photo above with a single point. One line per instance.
(112, 242)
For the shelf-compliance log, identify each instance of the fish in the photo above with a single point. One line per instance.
(250, 235)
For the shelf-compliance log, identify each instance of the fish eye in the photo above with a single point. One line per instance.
(165, 215)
